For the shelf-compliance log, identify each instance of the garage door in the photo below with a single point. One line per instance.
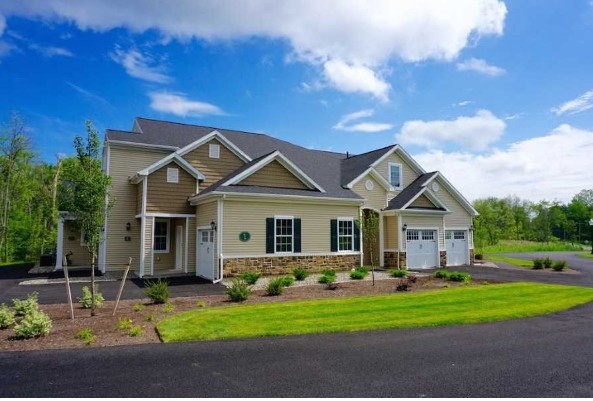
(422, 249)
(456, 245)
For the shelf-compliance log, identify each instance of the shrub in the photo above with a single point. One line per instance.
(149, 318)
(479, 256)
(412, 279)
(250, 277)
(124, 323)
(168, 307)
(6, 317)
(460, 277)
(442, 273)
(135, 331)
(402, 285)
(26, 306)
(158, 291)
(548, 263)
(287, 281)
(238, 291)
(86, 335)
(86, 300)
(357, 275)
(329, 272)
(325, 279)
(33, 324)
(200, 304)
(559, 265)
(138, 308)
(538, 264)
(398, 273)
(299, 273)
(275, 286)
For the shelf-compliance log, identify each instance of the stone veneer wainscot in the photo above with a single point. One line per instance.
(285, 264)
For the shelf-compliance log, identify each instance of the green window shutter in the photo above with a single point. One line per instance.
(334, 235)
(297, 235)
(356, 245)
(270, 235)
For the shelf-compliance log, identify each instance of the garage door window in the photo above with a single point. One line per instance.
(413, 235)
(428, 235)
(459, 234)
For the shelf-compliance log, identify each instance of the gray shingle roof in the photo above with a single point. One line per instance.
(354, 166)
(409, 192)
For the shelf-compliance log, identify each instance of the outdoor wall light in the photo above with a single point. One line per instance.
(128, 226)
(471, 228)
(404, 227)
(213, 225)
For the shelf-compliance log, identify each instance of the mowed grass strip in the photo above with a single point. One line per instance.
(458, 305)
(511, 261)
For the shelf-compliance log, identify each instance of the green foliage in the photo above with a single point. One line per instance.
(86, 335)
(200, 304)
(299, 273)
(329, 272)
(157, 291)
(398, 273)
(287, 281)
(150, 318)
(442, 273)
(370, 233)
(138, 307)
(86, 299)
(34, 324)
(538, 263)
(168, 307)
(359, 273)
(250, 277)
(479, 256)
(460, 277)
(135, 331)
(326, 279)
(559, 265)
(26, 306)
(547, 263)
(6, 317)
(124, 323)
(275, 286)
(238, 291)
(511, 261)
(511, 246)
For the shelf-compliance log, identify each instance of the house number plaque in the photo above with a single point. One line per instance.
(244, 236)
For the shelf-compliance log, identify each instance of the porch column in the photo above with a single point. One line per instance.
(381, 241)
(186, 243)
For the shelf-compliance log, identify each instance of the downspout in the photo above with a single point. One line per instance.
(143, 225)
(399, 238)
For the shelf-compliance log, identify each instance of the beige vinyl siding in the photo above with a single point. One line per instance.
(139, 198)
(459, 216)
(205, 214)
(274, 175)
(213, 169)
(80, 253)
(165, 197)
(374, 199)
(390, 232)
(124, 163)
(191, 244)
(147, 245)
(426, 222)
(251, 216)
(422, 202)
(408, 174)
(166, 260)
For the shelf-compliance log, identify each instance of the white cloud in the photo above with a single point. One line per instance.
(355, 78)
(515, 116)
(352, 34)
(177, 103)
(523, 169)
(463, 103)
(475, 133)
(481, 66)
(581, 103)
(51, 51)
(345, 123)
(140, 65)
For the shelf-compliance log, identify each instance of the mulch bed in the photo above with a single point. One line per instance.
(105, 326)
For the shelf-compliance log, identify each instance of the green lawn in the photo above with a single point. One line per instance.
(587, 255)
(511, 246)
(511, 261)
(459, 305)
(17, 264)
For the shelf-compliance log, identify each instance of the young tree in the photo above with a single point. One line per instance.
(370, 232)
(86, 190)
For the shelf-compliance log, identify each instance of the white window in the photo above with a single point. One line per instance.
(412, 235)
(284, 234)
(345, 235)
(395, 175)
(172, 175)
(214, 151)
(428, 235)
(161, 236)
(459, 234)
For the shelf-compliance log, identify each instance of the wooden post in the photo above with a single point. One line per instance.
(65, 268)
(121, 286)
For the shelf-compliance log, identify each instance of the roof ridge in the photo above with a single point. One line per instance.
(371, 151)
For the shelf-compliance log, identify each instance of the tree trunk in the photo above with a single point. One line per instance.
(93, 284)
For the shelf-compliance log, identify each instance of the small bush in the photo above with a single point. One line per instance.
(200, 304)
(460, 277)
(299, 273)
(479, 256)
(124, 323)
(86, 335)
(86, 300)
(34, 324)
(325, 279)
(329, 272)
(287, 281)
(138, 308)
(559, 265)
(239, 290)
(6, 317)
(149, 318)
(135, 331)
(442, 273)
(250, 277)
(168, 307)
(26, 306)
(538, 264)
(398, 273)
(158, 291)
(275, 286)
(548, 263)
(357, 275)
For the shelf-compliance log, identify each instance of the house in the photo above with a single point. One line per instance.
(215, 202)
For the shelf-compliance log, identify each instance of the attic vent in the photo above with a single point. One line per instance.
(172, 175)
(214, 151)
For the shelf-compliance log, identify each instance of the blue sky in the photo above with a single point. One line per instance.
(496, 95)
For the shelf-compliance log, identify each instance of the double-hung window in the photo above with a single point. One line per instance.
(161, 236)
(284, 237)
(395, 175)
(345, 235)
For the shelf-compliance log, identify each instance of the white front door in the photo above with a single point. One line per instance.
(179, 248)
(206, 254)
(422, 249)
(456, 245)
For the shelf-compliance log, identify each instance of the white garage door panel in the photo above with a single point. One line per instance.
(456, 246)
(422, 249)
